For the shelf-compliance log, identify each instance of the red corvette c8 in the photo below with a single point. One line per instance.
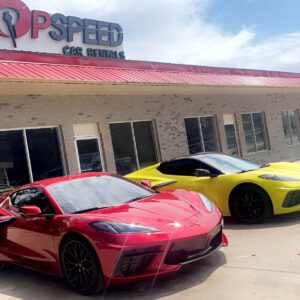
(97, 229)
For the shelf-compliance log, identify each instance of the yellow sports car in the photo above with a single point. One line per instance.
(249, 192)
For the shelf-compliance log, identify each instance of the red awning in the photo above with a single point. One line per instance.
(24, 66)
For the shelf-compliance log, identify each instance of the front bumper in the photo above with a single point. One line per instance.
(285, 199)
(152, 260)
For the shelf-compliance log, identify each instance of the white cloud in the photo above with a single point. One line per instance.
(174, 31)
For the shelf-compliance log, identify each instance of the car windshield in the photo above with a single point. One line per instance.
(91, 193)
(229, 164)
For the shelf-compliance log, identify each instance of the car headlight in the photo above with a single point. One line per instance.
(207, 203)
(278, 177)
(121, 228)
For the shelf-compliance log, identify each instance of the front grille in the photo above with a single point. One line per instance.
(135, 261)
(292, 199)
(189, 250)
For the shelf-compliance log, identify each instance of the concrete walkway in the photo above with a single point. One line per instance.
(261, 263)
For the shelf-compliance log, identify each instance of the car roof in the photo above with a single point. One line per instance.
(197, 156)
(50, 181)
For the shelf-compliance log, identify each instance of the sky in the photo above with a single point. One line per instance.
(254, 34)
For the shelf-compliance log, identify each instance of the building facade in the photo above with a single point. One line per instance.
(61, 115)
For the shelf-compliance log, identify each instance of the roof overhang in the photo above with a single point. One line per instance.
(31, 73)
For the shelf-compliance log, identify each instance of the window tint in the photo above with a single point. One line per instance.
(44, 153)
(89, 155)
(44, 159)
(13, 163)
(134, 145)
(232, 147)
(202, 134)
(209, 134)
(291, 128)
(32, 197)
(145, 144)
(255, 132)
(193, 135)
(184, 167)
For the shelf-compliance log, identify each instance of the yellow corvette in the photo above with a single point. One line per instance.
(249, 192)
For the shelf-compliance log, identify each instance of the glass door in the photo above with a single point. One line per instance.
(89, 154)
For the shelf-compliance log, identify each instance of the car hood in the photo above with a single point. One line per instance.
(168, 206)
(283, 169)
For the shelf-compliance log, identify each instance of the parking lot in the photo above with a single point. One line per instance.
(262, 262)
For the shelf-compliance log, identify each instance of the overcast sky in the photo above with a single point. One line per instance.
(261, 34)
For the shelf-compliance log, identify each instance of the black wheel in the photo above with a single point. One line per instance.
(81, 267)
(251, 204)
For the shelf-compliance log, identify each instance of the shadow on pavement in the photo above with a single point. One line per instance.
(275, 222)
(19, 283)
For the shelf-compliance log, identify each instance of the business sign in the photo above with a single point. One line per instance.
(37, 31)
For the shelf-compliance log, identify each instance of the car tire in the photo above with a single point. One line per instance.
(81, 267)
(251, 204)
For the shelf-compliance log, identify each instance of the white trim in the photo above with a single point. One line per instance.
(27, 155)
(236, 137)
(202, 116)
(131, 121)
(28, 128)
(84, 138)
(135, 145)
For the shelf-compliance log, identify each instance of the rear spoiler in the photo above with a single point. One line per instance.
(159, 185)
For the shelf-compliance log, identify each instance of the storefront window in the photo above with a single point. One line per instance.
(255, 132)
(290, 121)
(29, 155)
(13, 163)
(202, 134)
(193, 135)
(89, 155)
(134, 145)
(44, 153)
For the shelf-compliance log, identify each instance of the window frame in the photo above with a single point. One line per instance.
(90, 137)
(215, 123)
(154, 135)
(236, 139)
(27, 189)
(26, 146)
(288, 111)
(265, 129)
(201, 165)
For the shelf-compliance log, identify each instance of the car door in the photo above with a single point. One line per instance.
(29, 240)
(182, 171)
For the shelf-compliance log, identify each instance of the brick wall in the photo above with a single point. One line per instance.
(168, 111)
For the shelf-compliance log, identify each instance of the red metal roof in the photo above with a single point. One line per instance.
(25, 65)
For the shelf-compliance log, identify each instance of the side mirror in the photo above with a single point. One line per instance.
(202, 173)
(146, 183)
(30, 211)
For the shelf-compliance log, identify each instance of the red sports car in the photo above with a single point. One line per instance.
(97, 229)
